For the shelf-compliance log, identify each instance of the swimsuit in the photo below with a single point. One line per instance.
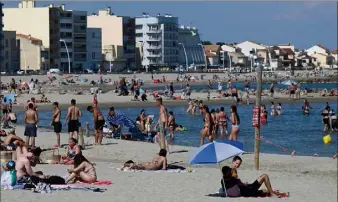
(30, 130)
(73, 126)
(57, 126)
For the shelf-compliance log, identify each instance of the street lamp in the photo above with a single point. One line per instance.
(109, 60)
(62, 40)
(205, 56)
(186, 57)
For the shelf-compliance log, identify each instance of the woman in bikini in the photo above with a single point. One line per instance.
(222, 123)
(171, 124)
(279, 109)
(207, 129)
(83, 170)
(143, 118)
(72, 150)
(264, 115)
(235, 123)
(200, 105)
(273, 111)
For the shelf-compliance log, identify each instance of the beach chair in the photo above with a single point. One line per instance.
(138, 135)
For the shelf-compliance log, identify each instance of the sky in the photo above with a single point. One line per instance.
(303, 24)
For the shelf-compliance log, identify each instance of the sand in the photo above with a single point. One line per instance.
(306, 178)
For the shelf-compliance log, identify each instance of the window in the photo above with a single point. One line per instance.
(93, 55)
(93, 35)
(6, 43)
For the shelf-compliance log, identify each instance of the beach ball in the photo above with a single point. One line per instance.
(327, 139)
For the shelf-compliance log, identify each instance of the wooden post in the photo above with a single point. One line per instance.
(81, 142)
(87, 129)
(258, 103)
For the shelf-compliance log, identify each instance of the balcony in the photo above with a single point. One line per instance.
(155, 31)
(154, 39)
(80, 31)
(80, 40)
(154, 47)
(154, 55)
(80, 49)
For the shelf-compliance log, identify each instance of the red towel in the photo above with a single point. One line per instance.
(99, 182)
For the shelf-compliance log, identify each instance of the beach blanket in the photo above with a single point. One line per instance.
(156, 171)
(76, 187)
(99, 182)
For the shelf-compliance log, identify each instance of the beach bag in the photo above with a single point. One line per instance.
(8, 178)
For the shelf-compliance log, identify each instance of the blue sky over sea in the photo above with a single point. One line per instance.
(301, 23)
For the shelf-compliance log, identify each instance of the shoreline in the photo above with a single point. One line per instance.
(174, 103)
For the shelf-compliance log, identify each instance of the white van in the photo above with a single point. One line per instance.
(54, 71)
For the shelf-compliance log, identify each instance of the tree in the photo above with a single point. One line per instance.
(206, 43)
(220, 43)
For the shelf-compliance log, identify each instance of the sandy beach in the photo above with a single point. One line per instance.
(306, 178)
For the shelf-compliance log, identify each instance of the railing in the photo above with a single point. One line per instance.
(154, 47)
(80, 40)
(154, 39)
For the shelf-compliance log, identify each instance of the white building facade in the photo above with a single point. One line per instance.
(159, 40)
(190, 50)
(94, 47)
(317, 49)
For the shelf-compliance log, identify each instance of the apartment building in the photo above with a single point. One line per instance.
(118, 38)
(1, 39)
(190, 49)
(159, 39)
(33, 55)
(94, 47)
(56, 27)
(11, 52)
(40, 22)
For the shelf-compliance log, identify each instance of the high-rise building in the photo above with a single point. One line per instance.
(191, 51)
(118, 38)
(1, 39)
(94, 48)
(11, 52)
(55, 27)
(158, 37)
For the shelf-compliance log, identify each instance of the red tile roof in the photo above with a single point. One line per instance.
(335, 52)
(213, 48)
(28, 37)
(288, 51)
(323, 47)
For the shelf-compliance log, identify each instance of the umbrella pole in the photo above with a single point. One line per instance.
(223, 185)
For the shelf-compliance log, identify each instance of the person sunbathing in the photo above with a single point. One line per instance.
(159, 162)
(24, 163)
(72, 150)
(13, 141)
(83, 170)
(246, 190)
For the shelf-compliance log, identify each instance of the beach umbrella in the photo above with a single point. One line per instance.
(216, 152)
(10, 97)
(289, 82)
(121, 119)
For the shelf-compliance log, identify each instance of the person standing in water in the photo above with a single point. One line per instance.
(272, 89)
(207, 129)
(162, 123)
(326, 119)
(171, 124)
(235, 123)
(273, 111)
(279, 109)
(31, 120)
(222, 121)
(56, 122)
(73, 116)
(99, 122)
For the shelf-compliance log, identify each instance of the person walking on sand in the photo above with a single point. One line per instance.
(73, 115)
(31, 119)
(56, 122)
(162, 122)
(99, 122)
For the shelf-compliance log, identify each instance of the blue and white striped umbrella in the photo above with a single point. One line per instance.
(121, 119)
(216, 152)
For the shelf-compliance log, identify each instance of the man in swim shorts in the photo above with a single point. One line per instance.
(31, 120)
(73, 116)
(162, 122)
(99, 122)
(56, 122)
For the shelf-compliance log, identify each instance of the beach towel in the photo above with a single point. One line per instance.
(76, 187)
(281, 195)
(99, 182)
(156, 171)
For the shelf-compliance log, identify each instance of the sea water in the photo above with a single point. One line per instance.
(292, 130)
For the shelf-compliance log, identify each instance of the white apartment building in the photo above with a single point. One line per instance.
(1, 39)
(53, 25)
(118, 35)
(190, 50)
(94, 48)
(159, 40)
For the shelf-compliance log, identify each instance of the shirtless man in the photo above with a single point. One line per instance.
(25, 161)
(31, 120)
(73, 116)
(99, 122)
(162, 122)
(56, 122)
(13, 141)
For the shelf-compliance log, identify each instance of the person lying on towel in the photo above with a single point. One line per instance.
(159, 162)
